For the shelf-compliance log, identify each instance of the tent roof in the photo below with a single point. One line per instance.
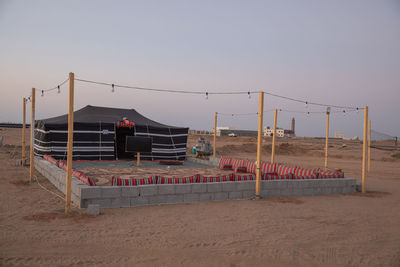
(93, 114)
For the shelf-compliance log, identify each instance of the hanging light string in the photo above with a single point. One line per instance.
(288, 111)
(207, 93)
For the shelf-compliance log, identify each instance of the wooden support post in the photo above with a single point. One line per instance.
(32, 163)
(70, 143)
(23, 131)
(259, 142)
(138, 159)
(274, 136)
(328, 110)
(369, 145)
(364, 157)
(215, 135)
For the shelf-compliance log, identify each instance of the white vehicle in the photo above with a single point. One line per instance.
(232, 135)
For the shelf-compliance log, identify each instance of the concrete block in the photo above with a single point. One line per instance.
(166, 189)
(93, 209)
(206, 196)
(193, 197)
(235, 195)
(139, 201)
(214, 187)
(358, 187)
(221, 196)
(285, 192)
(292, 183)
(308, 191)
(148, 190)
(199, 188)
(248, 194)
(228, 186)
(110, 191)
(157, 199)
(246, 185)
(337, 190)
(89, 192)
(129, 191)
(297, 191)
(102, 202)
(347, 190)
(171, 199)
(183, 188)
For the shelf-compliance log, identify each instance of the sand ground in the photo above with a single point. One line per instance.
(339, 230)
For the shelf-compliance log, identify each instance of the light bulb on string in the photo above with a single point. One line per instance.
(357, 109)
(206, 95)
(42, 93)
(344, 112)
(308, 113)
(58, 89)
(112, 89)
(248, 93)
(306, 104)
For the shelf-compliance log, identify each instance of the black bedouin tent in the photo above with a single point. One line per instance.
(98, 135)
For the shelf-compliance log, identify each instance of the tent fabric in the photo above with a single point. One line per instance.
(95, 135)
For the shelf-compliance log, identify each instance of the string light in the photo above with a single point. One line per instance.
(112, 89)
(306, 104)
(58, 89)
(249, 94)
(42, 92)
(206, 95)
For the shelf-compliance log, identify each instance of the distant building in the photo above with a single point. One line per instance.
(279, 132)
(219, 128)
(338, 135)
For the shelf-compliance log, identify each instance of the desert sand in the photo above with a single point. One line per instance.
(337, 230)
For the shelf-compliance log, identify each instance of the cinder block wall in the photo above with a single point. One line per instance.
(131, 196)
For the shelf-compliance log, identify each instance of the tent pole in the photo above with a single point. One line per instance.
(364, 157)
(70, 143)
(138, 159)
(369, 145)
(215, 135)
(23, 131)
(326, 139)
(274, 137)
(32, 163)
(259, 141)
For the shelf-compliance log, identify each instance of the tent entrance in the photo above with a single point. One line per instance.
(120, 134)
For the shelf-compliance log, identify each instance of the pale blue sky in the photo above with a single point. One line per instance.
(335, 52)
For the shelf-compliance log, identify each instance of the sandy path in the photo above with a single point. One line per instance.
(341, 230)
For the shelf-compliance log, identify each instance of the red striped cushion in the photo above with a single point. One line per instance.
(116, 181)
(216, 179)
(305, 177)
(267, 167)
(283, 169)
(173, 180)
(306, 172)
(328, 175)
(270, 176)
(249, 177)
(251, 166)
(239, 165)
(50, 159)
(225, 163)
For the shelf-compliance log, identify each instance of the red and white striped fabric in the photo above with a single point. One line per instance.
(283, 169)
(239, 165)
(81, 176)
(173, 180)
(249, 177)
(268, 168)
(225, 163)
(328, 175)
(270, 176)
(306, 172)
(251, 166)
(115, 181)
(50, 159)
(305, 177)
(216, 179)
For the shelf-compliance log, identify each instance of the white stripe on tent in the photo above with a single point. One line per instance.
(181, 144)
(75, 148)
(75, 131)
(161, 135)
(161, 150)
(76, 142)
(156, 156)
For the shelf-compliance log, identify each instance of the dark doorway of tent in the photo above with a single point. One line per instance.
(120, 135)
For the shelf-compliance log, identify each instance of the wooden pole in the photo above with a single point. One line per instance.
(369, 145)
(259, 141)
(274, 136)
(327, 138)
(70, 143)
(364, 158)
(215, 135)
(23, 131)
(138, 159)
(32, 163)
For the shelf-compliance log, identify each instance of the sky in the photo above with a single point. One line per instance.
(337, 52)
